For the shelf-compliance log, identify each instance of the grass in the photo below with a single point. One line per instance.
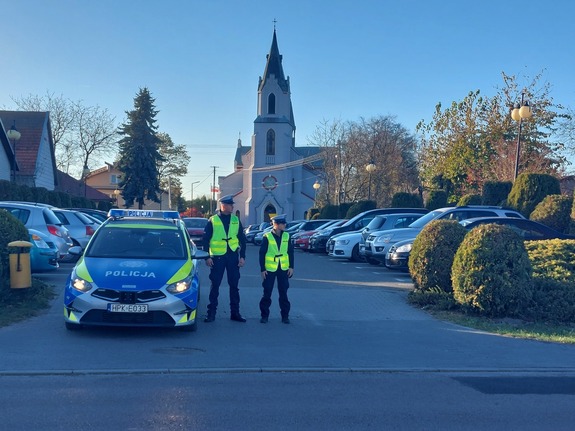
(20, 304)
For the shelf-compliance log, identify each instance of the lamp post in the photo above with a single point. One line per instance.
(369, 168)
(520, 111)
(85, 173)
(14, 135)
(192, 195)
(116, 194)
(316, 187)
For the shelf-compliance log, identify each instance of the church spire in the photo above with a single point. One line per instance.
(274, 66)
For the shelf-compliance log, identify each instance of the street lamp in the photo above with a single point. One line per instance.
(192, 196)
(370, 168)
(316, 187)
(520, 111)
(116, 194)
(14, 135)
(85, 173)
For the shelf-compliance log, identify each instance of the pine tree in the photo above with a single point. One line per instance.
(139, 157)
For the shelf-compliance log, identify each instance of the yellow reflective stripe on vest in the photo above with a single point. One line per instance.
(275, 257)
(220, 239)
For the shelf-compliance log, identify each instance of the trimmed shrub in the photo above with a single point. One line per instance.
(342, 209)
(328, 211)
(436, 199)
(530, 189)
(406, 200)
(491, 272)
(553, 259)
(432, 254)
(360, 207)
(469, 199)
(496, 192)
(11, 229)
(554, 211)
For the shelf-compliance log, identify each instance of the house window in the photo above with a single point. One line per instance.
(115, 179)
(272, 104)
(271, 143)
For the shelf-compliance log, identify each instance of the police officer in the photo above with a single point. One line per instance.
(227, 247)
(276, 262)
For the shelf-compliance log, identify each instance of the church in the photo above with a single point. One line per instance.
(273, 175)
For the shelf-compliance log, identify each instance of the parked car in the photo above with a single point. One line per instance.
(398, 255)
(250, 235)
(97, 214)
(259, 237)
(318, 241)
(349, 245)
(80, 227)
(195, 227)
(300, 239)
(377, 244)
(43, 253)
(140, 269)
(41, 218)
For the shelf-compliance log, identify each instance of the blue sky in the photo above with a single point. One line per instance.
(201, 60)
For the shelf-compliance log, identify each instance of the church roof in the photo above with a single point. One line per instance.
(274, 67)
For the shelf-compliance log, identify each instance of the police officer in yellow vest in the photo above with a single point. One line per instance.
(276, 261)
(227, 247)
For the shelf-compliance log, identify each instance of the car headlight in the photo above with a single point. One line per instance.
(383, 239)
(405, 248)
(180, 286)
(342, 241)
(80, 284)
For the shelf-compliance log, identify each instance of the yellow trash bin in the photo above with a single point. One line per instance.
(20, 273)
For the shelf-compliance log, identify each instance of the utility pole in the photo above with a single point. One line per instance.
(214, 206)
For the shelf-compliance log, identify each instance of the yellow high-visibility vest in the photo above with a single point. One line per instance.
(274, 257)
(221, 239)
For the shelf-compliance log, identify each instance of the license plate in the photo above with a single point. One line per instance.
(128, 308)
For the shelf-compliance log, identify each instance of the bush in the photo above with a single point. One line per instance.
(406, 200)
(432, 254)
(328, 211)
(436, 199)
(530, 189)
(360, 207)
(342, 209)
(491, 272)
(469, 199)
(496, 192)
(554, 211)
(553, 259)
(11, 229)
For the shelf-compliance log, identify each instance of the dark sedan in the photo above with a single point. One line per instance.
(398, 254)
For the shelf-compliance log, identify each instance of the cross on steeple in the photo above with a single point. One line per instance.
(275, 24)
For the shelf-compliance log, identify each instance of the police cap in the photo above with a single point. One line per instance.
(228, 199)
(280, 218)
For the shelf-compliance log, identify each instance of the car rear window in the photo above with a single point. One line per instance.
(83, 218)
(21, 214)
(50, 217)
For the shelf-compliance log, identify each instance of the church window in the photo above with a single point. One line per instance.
(271, 143)
(272, 104)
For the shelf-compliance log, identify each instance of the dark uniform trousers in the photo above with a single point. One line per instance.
(268, 285)
(228, 263)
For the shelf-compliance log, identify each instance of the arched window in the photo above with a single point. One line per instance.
(272, 104)
(271, 143)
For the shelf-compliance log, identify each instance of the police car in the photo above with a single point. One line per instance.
(139, 269)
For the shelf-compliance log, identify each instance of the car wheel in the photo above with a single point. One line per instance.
(73, 326)
(372, 261)
(355, 256)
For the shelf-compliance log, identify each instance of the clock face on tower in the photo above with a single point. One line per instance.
(270, 182)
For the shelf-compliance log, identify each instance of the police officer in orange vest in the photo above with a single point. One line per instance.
(227, 247)
(276, 262)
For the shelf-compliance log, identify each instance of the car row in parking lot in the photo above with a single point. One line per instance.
(385, 236)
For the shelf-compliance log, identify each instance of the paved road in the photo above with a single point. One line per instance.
(356, 356)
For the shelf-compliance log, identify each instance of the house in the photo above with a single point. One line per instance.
(33, 152)
(106, 180)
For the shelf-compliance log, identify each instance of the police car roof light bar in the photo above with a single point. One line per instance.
(121, 213)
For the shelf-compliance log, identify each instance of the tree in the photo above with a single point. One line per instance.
(82, 135)
(475, 140)
(139, 156)
(173, 166)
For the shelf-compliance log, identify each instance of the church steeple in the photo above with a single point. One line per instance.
(274, 67)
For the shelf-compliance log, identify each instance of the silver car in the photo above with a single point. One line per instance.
(80, 226)
(43, 219)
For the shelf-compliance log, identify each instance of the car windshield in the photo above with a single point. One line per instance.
(137, 243)
(422, 221)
